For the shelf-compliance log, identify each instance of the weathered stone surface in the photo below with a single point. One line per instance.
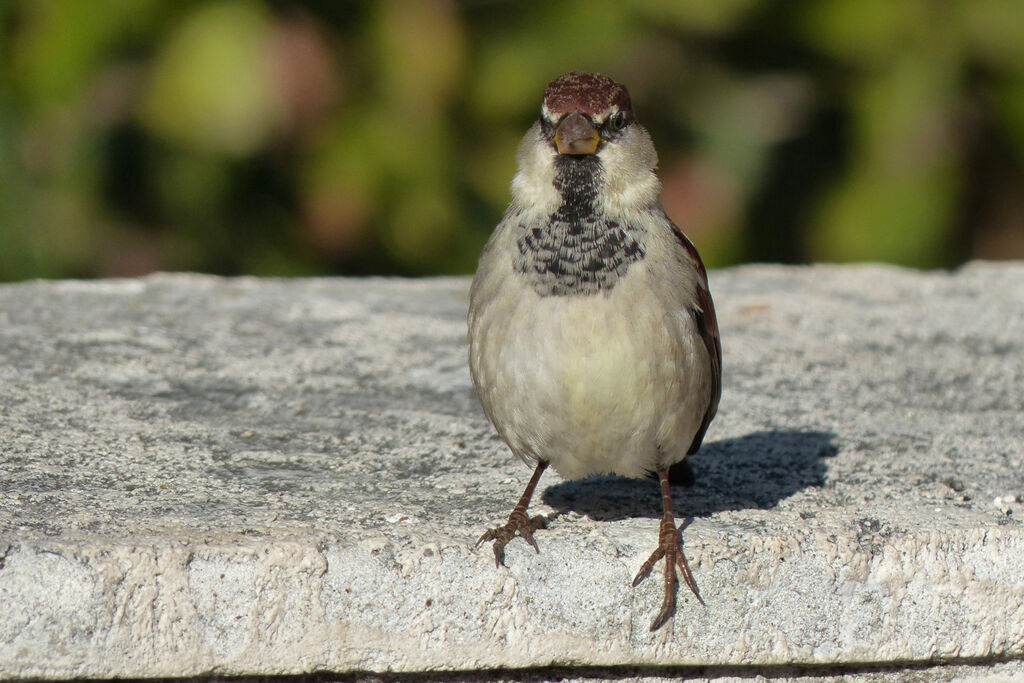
(240, 476)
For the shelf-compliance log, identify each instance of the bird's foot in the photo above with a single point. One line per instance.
(671, 548)
(518, 522)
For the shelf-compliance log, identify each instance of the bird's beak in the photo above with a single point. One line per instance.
(576, 135)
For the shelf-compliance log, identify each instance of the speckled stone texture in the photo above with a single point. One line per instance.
(204, 476)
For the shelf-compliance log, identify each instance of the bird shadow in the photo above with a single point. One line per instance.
(753, 471)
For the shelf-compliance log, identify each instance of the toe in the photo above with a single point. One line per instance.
(528, 537)
(499, 553)
(487, 536)
(684, 568)
(668, 608)
(646, 567)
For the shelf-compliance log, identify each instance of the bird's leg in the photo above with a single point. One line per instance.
(671, 548)
(517, 521)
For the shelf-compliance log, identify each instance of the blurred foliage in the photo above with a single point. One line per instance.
(275, 137)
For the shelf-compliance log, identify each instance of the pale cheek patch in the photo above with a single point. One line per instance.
(629, 163)
(533, 187)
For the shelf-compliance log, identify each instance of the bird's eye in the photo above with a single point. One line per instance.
(618, 121)
(547, 127)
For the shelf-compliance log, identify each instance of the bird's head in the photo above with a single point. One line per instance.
(581, 111)
(587, 127)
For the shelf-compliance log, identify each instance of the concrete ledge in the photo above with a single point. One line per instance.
(256, 477)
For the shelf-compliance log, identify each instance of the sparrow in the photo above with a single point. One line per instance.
(593, 342)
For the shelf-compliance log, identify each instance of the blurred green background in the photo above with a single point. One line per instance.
(327, 137)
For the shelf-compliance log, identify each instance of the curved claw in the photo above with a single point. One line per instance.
(684, 567)
(526, 531)
(646, 567)
(518, 523)
(668, 608)
(488, 535)
(674, 558)
(671, 549)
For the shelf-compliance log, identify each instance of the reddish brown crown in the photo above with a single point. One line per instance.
(590, 93)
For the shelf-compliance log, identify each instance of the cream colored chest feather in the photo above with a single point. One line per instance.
(585, 353)
(593, 384)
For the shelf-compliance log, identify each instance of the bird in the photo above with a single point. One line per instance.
(593, 341)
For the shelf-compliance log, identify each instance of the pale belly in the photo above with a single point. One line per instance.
(591, 384)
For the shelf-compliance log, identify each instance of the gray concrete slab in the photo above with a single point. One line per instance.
(254, 477)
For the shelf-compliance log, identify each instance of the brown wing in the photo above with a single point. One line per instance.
(706, 321)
